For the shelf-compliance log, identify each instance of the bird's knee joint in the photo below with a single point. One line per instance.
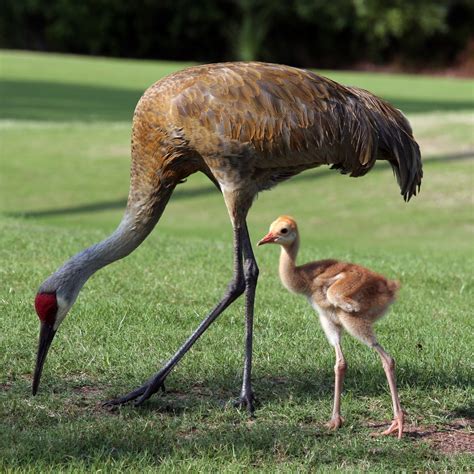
(340, 366)
(237, 287)
(251, 272)
(389, 363)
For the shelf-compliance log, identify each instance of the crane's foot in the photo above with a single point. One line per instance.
(246, 400)
(335, 422)
(137, 393)
(395, 427)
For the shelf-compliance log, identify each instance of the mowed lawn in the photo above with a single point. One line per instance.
(64, 134)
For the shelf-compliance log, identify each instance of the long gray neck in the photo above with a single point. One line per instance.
(138, 221)
(126, 238)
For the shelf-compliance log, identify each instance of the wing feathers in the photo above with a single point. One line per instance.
(294, 114)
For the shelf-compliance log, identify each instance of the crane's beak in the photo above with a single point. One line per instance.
(268, 239)
(46, 336)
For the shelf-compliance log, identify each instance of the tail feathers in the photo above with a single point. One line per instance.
(398, 146)
(373, 130)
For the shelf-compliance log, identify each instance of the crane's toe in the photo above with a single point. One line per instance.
(335, 422)
(395, 427)
(138, 392)
(152, 387)
(116, 402)
(246, 400)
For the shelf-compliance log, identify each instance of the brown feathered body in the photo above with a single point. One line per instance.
(249, 126)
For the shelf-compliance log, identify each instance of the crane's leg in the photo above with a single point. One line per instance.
(250, 267)
(235, 289)
(333, 335)
(336, 420)
(398, 415)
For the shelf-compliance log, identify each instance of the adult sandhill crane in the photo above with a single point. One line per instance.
(247, 126)
(346, 296)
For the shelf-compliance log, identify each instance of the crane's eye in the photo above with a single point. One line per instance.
(284, 230)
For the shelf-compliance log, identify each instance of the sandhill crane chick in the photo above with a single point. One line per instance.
(346, 296)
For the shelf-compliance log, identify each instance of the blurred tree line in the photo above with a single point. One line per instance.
(323, 33)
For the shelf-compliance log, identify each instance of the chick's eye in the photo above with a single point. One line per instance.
(284, 231)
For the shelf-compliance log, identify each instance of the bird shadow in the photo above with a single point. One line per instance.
(193, 417)
(164, 429)
(295, 386)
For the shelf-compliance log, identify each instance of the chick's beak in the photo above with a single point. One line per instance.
(268, 239)
(46, 336)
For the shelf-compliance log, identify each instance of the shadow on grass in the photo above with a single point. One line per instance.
(183, 193)
(298, 386)
(464, 411)
(55, 101)
(209, 447)
(293, 387)
(411, 106)
(159, 431)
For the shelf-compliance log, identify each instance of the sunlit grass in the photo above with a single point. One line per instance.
(64, 180)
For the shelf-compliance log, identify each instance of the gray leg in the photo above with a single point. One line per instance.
(247, 397)
(235, 289)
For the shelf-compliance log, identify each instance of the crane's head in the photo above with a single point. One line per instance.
(51, 307)
(283, 231)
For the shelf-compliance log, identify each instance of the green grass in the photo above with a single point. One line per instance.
(64, 88)
(65, 127)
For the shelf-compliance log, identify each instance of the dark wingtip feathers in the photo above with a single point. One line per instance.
(394, 140)
(405, 159)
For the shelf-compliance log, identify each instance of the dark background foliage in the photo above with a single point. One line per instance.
(323, 33)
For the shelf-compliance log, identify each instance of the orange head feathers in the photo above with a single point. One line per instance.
(283, 231)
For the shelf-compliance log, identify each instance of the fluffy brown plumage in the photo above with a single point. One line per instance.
(346, 296)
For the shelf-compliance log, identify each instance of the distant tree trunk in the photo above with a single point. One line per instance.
(256, 17)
